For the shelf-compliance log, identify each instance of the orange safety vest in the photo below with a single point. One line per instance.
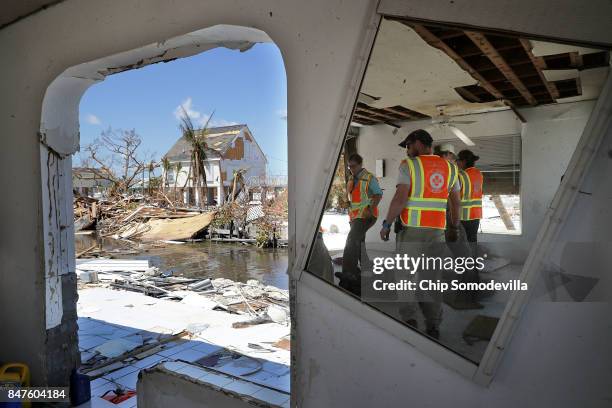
(471, 194)
(431, 178)
(358, 195)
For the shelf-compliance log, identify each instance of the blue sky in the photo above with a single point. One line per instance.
(248, 87)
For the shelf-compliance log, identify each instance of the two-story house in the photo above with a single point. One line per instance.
(229, 149)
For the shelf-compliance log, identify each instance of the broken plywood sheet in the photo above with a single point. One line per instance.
(176, 229)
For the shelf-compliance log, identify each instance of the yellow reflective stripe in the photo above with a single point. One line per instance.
(472, 203)
(425, 200)
(455, 176)
(413, 174)
(422, 174)
(466, 186)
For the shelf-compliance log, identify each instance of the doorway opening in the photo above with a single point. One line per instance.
(179, 198)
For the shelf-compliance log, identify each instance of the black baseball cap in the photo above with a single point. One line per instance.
(467, 155)
(421, 135)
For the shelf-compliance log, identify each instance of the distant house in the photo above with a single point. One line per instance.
(229, 148)
(87, 182)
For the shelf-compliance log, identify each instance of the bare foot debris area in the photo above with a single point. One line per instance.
(134, 316)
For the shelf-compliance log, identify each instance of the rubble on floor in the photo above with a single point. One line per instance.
(122, 332)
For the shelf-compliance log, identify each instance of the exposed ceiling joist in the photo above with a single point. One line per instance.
(540, 65)
(368, 115)
(441, 45)
(362, 108)
(492, 53)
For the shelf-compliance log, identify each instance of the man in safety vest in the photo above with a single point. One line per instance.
(364, 194)
(471, 194)
(464, 299)
(426, 183)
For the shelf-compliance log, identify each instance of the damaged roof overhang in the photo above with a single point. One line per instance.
(226, 36)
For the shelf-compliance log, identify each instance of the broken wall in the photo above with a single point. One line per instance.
(158, 388)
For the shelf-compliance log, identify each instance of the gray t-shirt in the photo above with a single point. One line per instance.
(404, 177)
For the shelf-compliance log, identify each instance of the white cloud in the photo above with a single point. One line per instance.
(282, 113)
(93, 119)
(186, 108)
(216, 122)
(199, 118)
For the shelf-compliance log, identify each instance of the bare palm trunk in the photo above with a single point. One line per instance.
(187, 182)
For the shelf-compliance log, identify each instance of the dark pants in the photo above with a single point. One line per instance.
(471, 232)
(471, 229)
(461, 248)
(354, 249)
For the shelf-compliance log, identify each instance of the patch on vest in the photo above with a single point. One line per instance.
(436, 182)
(477, 187)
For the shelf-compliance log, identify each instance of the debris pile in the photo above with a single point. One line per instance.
(263, 303)
(127, 218)
(133, 316)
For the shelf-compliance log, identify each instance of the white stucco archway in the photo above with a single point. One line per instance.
(59, 135)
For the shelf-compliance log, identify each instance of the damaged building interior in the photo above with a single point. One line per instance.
(523, 84)
(520, 105)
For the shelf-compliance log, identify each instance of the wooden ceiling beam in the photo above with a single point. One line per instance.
(491, 52)
(364, 120)
(407, 115)
(365, 117)
(434, 41)
(375, 112)
(539, 64)
(467, 95)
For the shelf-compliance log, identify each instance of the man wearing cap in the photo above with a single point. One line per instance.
(465, 299)
(425, 184)
(364, 195)
(446, 151)
(471, 194)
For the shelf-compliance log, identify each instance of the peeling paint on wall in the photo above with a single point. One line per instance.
(58, 229)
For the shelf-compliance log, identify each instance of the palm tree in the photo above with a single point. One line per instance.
(177, 170)
(150, 169)
(165, 163)
(197, 140)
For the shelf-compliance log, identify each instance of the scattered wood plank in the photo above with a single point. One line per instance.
(503, 213)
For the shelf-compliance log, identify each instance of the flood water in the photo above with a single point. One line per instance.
(204, 259)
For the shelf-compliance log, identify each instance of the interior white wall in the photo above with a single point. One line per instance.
(549, 137)
(550, 363)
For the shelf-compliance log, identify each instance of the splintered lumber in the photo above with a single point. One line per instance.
(79, 254)
(176, 229)
(503, 213)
